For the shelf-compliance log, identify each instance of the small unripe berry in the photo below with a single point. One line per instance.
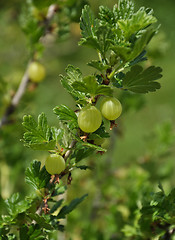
(36, 72)
(55, 164)
(111, 108)
(89, 119)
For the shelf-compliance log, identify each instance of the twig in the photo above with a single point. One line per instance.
(15, 100)
(25, 79)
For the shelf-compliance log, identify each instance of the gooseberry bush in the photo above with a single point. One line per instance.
(120, 37)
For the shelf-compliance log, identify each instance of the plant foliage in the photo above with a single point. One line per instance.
(120, 37)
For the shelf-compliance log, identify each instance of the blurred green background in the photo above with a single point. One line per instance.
(142, 150)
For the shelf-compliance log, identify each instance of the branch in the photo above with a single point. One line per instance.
(15, 100)
(25, 79)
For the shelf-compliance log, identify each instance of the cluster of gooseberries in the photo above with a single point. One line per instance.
(90, 118)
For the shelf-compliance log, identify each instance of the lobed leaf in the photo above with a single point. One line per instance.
(39, 135)
(106, 16)
(88, 26)
(142, 81)
(98, 65)
(88, 23)
(73, 75)
(81, 152)
(91, 86)
(67, 115)
(137, 22)
(124, 9)
(16, 206)
(36, 176)
(130, 52)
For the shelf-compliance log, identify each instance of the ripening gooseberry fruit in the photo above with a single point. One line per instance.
(36, 72)
(110, 108)
(89, 119)
(55, 164)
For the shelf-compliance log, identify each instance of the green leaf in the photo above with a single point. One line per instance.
(98, 65)
(100, 133)
(140, 58)
(89, 145)
(23, 232)
(35, 232)
(104, 90)
(56, 206)
(90, 42)
(88, 26)
(123, 51)
(73, 74)
(91, 86)
(124, 9)
(66, 114)
(97, 148)
(104, 36)
(16, 206)
(142, 42)
(57, 133)
(93, 34)
(69, 88)
(88, 23)
(106, 15)
(84, 167)
(38, 135)
(38, 178)
(142, 81)
(69, 208)
(117, 80)
(40, 220)
(59, 190)
(81, 152)
(137, 22)
(130, 52)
